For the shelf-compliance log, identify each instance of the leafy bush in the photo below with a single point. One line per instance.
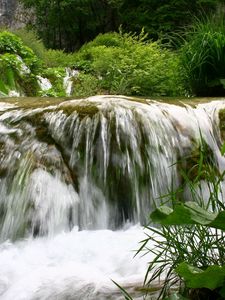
(49, 57)
(31, 40)
(55, 76)
(128, 64)
(58, 58)
(203, 57)
(86, 85)
(10, 43)
(18, 66)
(110, 39)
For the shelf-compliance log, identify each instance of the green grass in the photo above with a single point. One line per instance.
(188, 241)
(203, 56)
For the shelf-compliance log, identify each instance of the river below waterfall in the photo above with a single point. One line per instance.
(78, 179)
(72, 265)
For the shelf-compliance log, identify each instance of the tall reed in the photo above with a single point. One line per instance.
(203, 56)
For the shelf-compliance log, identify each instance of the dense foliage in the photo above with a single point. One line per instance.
(113, 63)
(118, 62)
(159, 16)
(203, 56)
(18, 66)
(23, 70)
(130, 65)
(68, 24)
(123, 63)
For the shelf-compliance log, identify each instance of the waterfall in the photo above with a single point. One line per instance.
(44, 83)
(75, 169)
(68, 80)
(96, 163)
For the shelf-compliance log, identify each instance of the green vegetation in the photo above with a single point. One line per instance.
(119, 62)
(188, 248)
(195, 249)
(22, 67)
(114, 63)
(130, 65)
(202, 56)
(18, 66)
(69, 24)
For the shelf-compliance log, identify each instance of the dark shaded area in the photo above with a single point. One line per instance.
(69, 24)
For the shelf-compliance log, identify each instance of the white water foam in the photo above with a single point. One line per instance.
(75, 265)
(80, 264)
(68, 80)
(44, 83)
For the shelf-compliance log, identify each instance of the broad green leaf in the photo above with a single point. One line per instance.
(211, 278)
(187, 214)
(219, 221)
(167, 216)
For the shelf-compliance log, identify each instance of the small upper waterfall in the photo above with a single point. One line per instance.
(96, 163)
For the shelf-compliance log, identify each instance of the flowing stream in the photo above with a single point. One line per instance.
(78, 179)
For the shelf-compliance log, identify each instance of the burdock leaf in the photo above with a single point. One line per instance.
(188, 213)
(211, 278)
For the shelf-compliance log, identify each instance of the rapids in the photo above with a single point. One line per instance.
(76, 179)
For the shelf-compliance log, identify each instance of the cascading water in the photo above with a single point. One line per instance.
(71, 173)
(68, 80)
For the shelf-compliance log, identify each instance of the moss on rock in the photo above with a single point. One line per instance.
(83, 110)
(222, 124)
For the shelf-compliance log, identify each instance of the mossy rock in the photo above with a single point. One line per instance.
(199, 164)
(222, 124)
(83, 110)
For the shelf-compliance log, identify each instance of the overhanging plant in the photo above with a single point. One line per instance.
(189, 245)
(198, 266)
(188, 241)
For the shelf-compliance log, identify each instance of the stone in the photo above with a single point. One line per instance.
(13, 15)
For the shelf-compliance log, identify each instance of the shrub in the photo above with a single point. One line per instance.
(58, 58)
(10, 43)
(31, 40)
(18, 65)
(85, 85)
(50, 58)
(110, 39)
(132, 66)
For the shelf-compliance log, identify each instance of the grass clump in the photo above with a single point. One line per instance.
(191, 238)
(203, 56)
(188, 246)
